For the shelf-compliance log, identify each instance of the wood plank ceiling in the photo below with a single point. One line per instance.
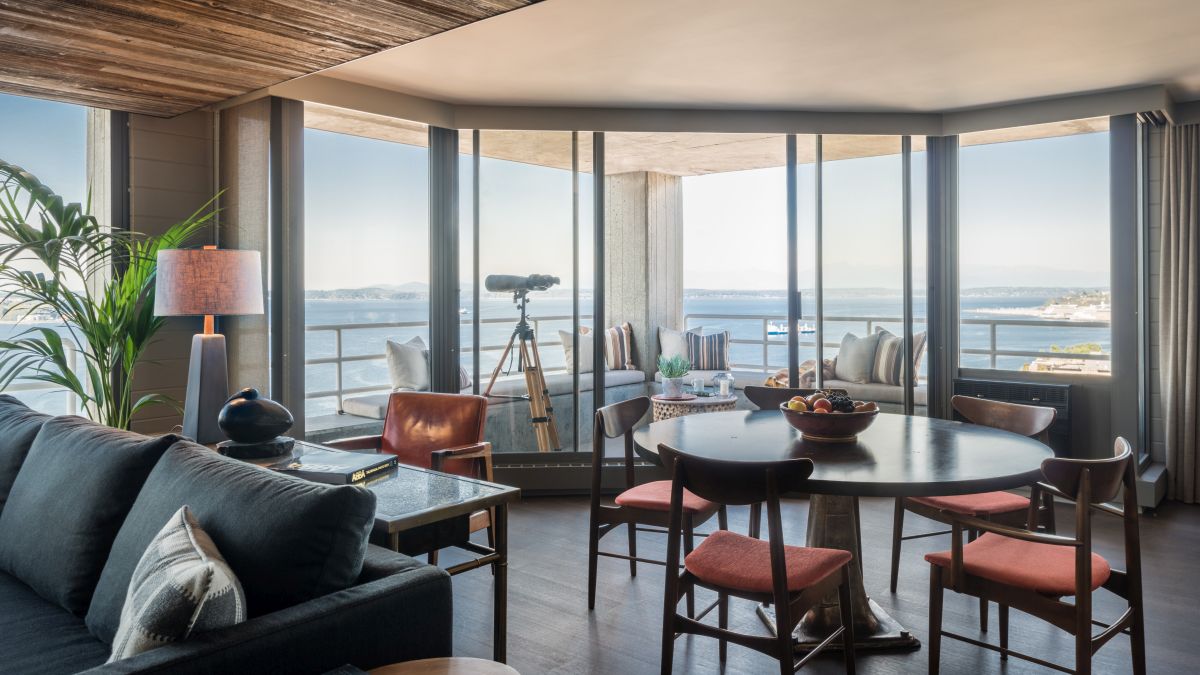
(166, 57)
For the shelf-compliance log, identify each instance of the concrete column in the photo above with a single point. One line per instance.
(644, 262)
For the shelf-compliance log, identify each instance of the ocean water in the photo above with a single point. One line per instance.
(373, 373)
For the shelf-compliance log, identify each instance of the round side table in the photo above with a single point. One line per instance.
(666, 408)
(454, 665)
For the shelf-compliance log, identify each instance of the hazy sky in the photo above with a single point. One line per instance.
(1032, 213)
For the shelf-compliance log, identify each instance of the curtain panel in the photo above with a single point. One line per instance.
(1179, 311)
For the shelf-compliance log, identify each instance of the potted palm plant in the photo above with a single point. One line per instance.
(78, 289)
(673, 370)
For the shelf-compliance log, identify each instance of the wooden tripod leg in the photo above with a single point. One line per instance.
(537, 404)
(499, 364)
(552, 425)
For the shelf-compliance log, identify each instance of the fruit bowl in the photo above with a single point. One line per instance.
(834, 427)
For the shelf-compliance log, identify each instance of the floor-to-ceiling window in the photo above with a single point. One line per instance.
(1034, 248)
(49, 140)
(366, 264)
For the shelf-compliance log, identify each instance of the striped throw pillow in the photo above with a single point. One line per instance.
(708, 352)
(618, 347)
(889, 366)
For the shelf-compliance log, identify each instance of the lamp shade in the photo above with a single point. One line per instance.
(208, 281)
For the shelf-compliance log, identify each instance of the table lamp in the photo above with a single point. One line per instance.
(206, 282)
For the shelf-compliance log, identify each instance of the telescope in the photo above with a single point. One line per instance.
(500, 283)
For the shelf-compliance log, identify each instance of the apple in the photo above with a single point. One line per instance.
(822, 405)
(798, 405)
(823, 411)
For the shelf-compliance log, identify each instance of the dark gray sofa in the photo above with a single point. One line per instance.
(80, 502)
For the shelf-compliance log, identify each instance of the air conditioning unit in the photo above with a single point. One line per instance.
(1057, 396)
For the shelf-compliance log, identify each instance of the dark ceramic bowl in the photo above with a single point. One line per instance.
(829, 427)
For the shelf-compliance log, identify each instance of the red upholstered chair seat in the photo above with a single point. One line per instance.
(982, 504)
(1043, 568)
(656, 496)
(738, 562)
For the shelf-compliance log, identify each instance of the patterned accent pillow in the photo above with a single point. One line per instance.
(708, 352)
(181, 587)
(618, 347)
(889, 366)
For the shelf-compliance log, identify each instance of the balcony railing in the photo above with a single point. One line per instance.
(765, 341)
(72, 354)
(993, 351)
(339, 359)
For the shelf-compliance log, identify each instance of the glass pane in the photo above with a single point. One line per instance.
(366, 180)
(526, 218)
(49, 140)
(862, 264)
(1034, 248)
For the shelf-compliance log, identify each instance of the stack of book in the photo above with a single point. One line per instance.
(327, 465)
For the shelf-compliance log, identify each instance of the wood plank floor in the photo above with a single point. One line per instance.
(551, 630)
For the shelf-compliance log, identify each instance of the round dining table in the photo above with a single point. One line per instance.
(897, 456)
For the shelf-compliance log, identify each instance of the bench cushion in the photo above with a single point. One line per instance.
(288, 540)
(18, 426)
(39, 637)
(69, 499)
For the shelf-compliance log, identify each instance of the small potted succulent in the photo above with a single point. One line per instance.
(673, 370)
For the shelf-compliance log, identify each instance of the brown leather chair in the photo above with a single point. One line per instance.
(1033, 572)
(443, 432)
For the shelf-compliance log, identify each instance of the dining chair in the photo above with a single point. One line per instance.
(1033, 571)
(770, 398)
(641, 508)
(1001, 507)
(443, 432)
(792, 578)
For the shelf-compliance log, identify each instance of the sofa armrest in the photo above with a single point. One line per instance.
(399, 611)
(372, 443)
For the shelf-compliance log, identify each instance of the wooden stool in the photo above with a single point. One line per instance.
(454, 665)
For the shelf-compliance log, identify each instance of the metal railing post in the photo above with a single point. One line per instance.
(337, 374)
(992, 343)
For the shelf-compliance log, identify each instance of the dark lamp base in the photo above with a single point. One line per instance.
(278, 446)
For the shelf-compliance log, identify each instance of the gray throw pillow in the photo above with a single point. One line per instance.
(856, 358)
(181, 587)
(408, 365)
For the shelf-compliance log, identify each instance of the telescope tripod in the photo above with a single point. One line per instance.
(541, 412)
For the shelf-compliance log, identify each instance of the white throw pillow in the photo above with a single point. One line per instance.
(408, 365)
(586, 351)
(856, 358)
(673, 343)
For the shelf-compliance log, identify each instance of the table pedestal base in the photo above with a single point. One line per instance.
(833, 523)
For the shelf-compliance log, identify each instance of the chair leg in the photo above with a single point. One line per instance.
(1137, 641)
(755, 520)
(593, 558)
(688, 535)
(632, 549)
(433, 557)
(722, 518)
(846, 610)
(723, 622)
(935, 619)
(1003, 632)
(983, 604)
(491, 539)
(897, 533)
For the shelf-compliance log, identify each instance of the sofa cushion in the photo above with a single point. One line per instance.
(38, 636)
(181, 587)
(288, 540)
(879, 393)
(69, 499)
(856, 358)
(18, 426)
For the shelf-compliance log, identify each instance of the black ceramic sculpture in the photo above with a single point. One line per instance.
(253, 425)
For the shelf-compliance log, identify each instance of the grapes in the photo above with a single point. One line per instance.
(841, 403)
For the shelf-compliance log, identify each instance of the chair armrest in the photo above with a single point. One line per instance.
(478, 451)
(400, 611)
(959, 522)
(356, 443)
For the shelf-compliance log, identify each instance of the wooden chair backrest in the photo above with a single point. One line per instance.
(736, 483)
(1105, 477)
(769, 398)
(1027, 420)
(612, 421)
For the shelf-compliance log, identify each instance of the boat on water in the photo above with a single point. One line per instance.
(780, 328)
